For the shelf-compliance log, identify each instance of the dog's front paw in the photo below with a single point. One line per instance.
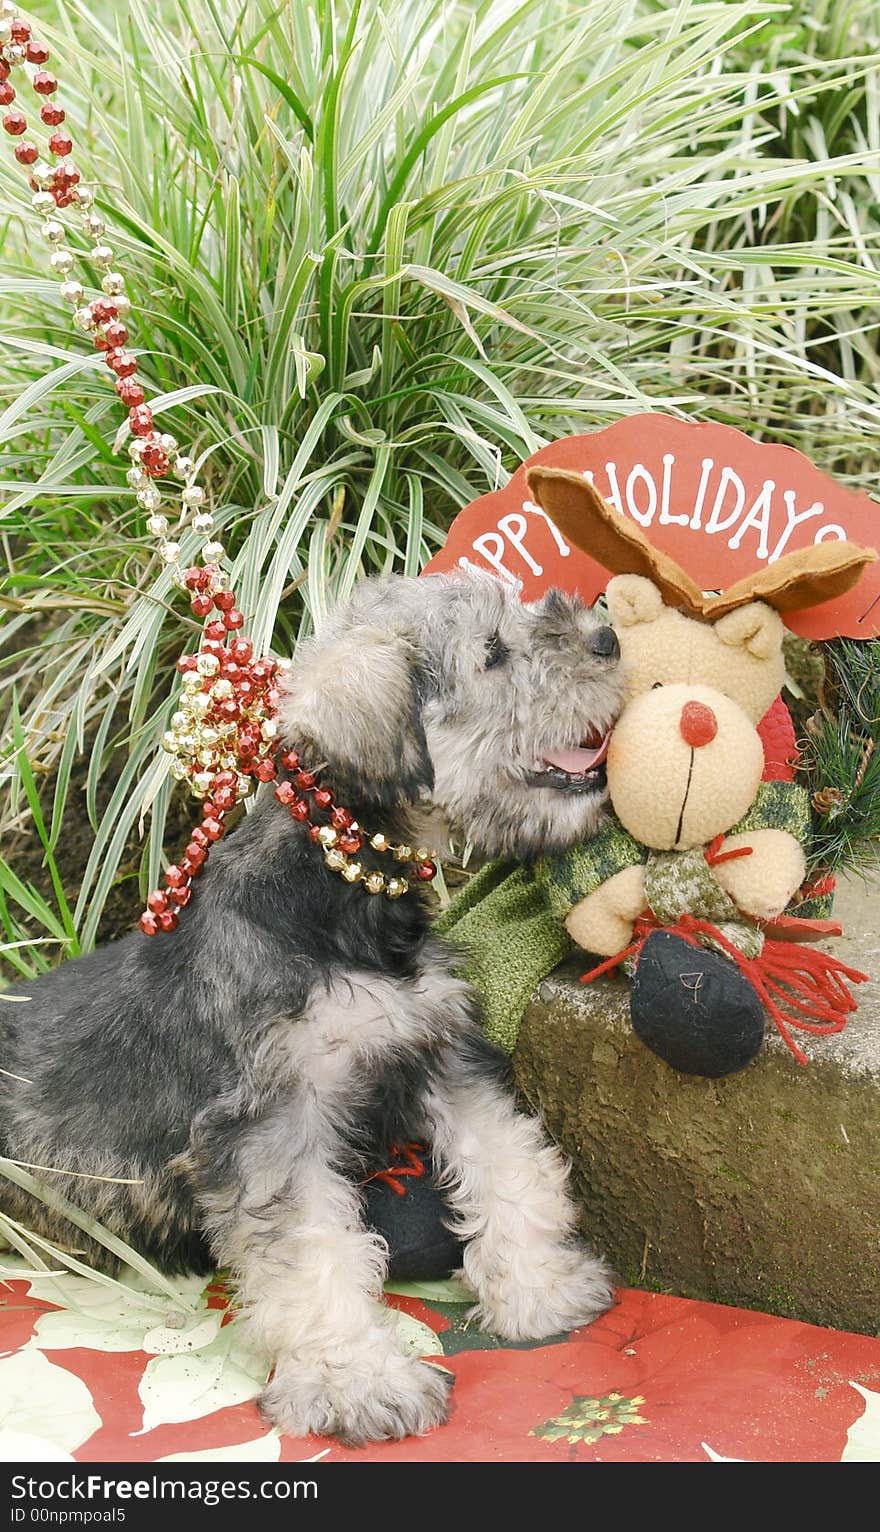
(569, 1289)
(358, 1400)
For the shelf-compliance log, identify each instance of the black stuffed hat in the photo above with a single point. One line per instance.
(694, 1009)
(403, 1204)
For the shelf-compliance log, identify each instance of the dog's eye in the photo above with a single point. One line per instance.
(496, 651)
(656, 684)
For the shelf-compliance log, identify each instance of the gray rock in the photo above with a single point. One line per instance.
(761, 1189)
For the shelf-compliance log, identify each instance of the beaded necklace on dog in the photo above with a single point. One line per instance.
(223, 733)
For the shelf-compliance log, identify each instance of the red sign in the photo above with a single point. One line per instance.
(717, 502)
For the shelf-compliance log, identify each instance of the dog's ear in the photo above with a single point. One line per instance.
(351, 701)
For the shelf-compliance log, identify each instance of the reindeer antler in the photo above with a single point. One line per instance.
(798, 580)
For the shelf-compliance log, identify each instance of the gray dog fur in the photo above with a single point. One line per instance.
(244, 1070)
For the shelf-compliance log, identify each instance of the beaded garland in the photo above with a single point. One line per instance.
(223, 731)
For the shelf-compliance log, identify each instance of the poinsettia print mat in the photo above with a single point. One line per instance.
(96, 1372)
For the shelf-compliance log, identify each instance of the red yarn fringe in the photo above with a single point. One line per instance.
(793, 982)
(391, 1175)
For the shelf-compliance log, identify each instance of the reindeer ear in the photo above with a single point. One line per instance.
(633, 600)
(754, 627)
(619, 545)
(351, 700)
(799, 580)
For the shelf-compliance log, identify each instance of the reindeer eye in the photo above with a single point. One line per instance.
(496, 651)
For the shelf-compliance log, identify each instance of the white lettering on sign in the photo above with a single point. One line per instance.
(793, 519)
(720, 507)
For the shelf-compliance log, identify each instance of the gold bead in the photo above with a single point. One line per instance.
(178, 770)
(374, 882)
(102, 255)
(170, 742)
(207, 664)
(402, 853)
(52, 231)
(210, 735)
(113, 284)
(379, 843)
(202, 783)
(395, 887)
(353, 872)
(191, 683)
(179, 721)
(327, 835)
(223, 690)
(422, 854)
(335, 860)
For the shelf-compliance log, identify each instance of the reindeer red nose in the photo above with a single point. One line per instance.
(698, 724)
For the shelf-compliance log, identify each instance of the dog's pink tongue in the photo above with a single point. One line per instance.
(581, 759)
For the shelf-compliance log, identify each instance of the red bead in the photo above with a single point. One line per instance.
(65, 177)
(181, 896)
(323, 798)
(129, 391)
(102, 310)
(44, 82)
(26, 153)
(245, 689)
(61, 143)
(100, 341)
(211, 571)
(7, 93)
(314, 833)
(195, 855)
(216, 631)
(148, 924)
(300, 809)
(229, 711)
(122, 363)
(52, 114)
(4, 69)
(225, 600)
(175, 877)
(290, 760)
(285, 792)
(340, 818)
(202, 605)
(305, 780)
(234, 619)
(194, 577)
(213, 828)
(241, 650)
(21, 30)
(116, 333)
(226, 779)
(265, 771)
(350, 844)
(167, 921)
(62, 199)
(426, 871)
(225, 798)
(15, 123)
(185, 663)
(263, 670)
(154, 459)
(272, 697)
(158, 901)
(198, 838)
(37, 52)
(140, 418)
(211, 645)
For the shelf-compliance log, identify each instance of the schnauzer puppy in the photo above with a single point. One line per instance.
(245, 1070)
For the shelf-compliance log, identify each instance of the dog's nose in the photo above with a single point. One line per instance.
(698, 724)
(604, 643)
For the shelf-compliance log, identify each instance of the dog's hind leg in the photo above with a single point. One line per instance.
(310, 1279)
(508, 1189)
